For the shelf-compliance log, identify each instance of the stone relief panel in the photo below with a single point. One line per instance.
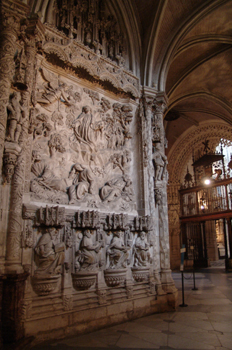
(98, 250)
(89, 23)
(81, 146)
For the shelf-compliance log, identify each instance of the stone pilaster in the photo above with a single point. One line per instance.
(160, 187)
(9, 34)
(13, 249)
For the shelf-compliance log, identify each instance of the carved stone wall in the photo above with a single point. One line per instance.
(82, 226)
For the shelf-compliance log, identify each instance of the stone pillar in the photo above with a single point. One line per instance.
(14, 279)
(9, 33)
(149, 95)
(13, 248)
(160, 186)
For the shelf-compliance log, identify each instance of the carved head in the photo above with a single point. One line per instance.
(86, 109)
(52, 231)
(87, 233)
(15, 96)
(117, 233)
(78, 167)
(142, 235)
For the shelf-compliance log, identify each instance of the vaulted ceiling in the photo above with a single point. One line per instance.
(188, 55)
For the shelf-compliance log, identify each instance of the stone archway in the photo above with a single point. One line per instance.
(180, 157)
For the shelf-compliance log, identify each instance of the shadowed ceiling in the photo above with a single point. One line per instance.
(191, 60)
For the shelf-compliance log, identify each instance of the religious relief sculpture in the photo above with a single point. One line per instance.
(117, 251)
(91, 159)
(49, 256)
(85, 130)
(53, 90)
(117, 188)
(47, 173)
(82, 183)
(160, 163)
(88, 23)
(141, 251)
(39, 124)
(89, 254)
(15, 116)
(20, 70)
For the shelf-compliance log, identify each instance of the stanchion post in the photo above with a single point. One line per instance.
(182, 251)
(194, 283)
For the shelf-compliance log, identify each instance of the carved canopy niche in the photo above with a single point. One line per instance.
(86, 34)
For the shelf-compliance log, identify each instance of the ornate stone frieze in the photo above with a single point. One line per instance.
(51, 216)
(116, 221)
(84, 280)
(88, 219)
(75, 55)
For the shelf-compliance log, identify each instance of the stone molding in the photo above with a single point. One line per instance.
(76, 55)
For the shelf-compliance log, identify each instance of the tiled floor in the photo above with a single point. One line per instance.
(206, 323)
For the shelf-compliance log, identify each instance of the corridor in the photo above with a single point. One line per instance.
(206, 323)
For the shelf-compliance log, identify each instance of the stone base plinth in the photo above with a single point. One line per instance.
(93, 318)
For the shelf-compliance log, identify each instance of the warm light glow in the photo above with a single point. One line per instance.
(207, 182)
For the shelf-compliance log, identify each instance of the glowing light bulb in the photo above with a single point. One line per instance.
(207, 182)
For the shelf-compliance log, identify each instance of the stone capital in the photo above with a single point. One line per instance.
(161, 102)
(149, 95)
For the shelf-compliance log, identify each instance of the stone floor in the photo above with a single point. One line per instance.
(206, 323)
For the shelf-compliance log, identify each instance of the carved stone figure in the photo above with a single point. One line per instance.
(89, 256)
(83, 182)
(53, 93)
(141, 251)
(15, 117)
(39, 124)
(117, 251)
(160, 163)
(112, 189)
(47, 170)
(49, 256)
(83, 128)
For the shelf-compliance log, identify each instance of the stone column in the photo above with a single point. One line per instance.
(160, 187)
(148, 99)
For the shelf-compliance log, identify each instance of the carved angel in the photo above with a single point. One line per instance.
(54, 90)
